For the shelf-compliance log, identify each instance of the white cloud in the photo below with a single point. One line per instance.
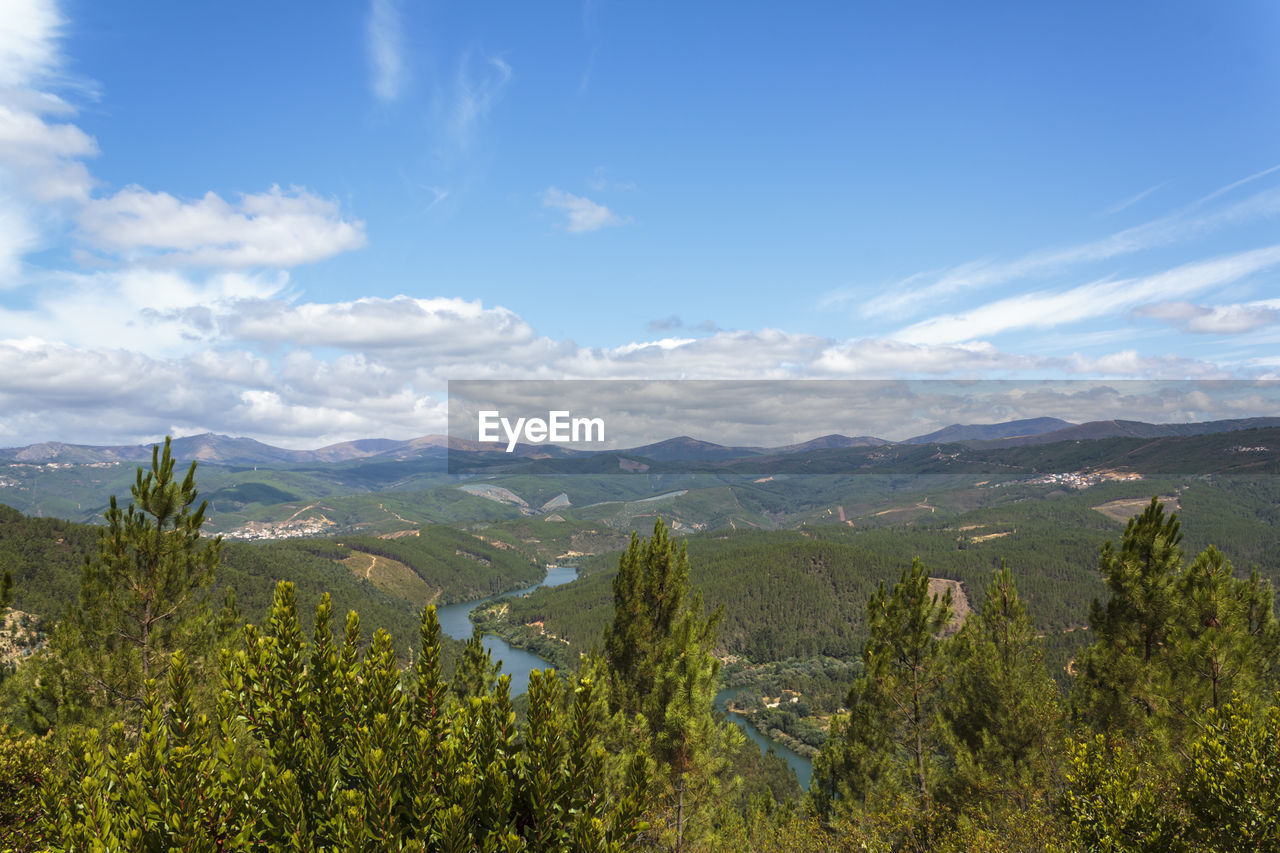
(1132, 200)
(40, 166)
(28, 42)
(157, 311)
(1216, 319)
(924, 289)
(38, 373)
(50, 390)
(1046, 309)
(1129, 364)
(455, 326)
(192, 324)
(44, 183)
(277, 228)
(1235, 185)
(41, 178)
(1171, 312)
(582, 214)
(879, 358)
(43, 159)
(1234, 319)
(384, 43)
(190, 364)
(474, 96)
(17, 237)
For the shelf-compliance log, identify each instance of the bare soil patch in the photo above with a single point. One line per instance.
(390, 575)
(1126, 508)
(960, 608)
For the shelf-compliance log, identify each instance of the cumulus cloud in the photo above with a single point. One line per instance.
(1216, 319)
(581, 214)
(45, 184)
(40, 156)
(1128, 364)
(185, 319)
(396, 357)
(278, 228)
(157, 311)
(453, 326)
(28, 42)
(43, 158)
(49, 390)
(881, 358)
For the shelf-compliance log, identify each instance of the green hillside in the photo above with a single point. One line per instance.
(45, 557)
(799, 593)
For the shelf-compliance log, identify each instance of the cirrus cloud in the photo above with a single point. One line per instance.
(1047, 309)
(384, 43)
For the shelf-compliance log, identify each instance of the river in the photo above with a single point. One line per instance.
(802, 766)
(455, 620)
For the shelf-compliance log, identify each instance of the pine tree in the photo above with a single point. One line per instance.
(1173, 642)
(1118, 685)
(660, 664)
(1224, 639)
(890, 737)
(650, 594)
(1001, 712)
(475, 672)
(685, 735)
(143, 595)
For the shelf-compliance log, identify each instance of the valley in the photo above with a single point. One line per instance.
(791, 556)
(787, 547)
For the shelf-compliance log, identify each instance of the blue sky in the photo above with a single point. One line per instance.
(298, 221)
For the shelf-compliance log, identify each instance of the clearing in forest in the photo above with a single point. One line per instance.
(390, 575)
(1126, 508)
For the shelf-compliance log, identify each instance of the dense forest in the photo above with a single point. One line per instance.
(145, 714)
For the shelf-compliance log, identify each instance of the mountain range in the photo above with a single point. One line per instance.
(227, 450)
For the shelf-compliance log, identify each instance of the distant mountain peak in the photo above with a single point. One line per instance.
(986, 432)
(832, 441)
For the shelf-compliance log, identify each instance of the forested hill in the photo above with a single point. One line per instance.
(387, 581)
(803, 592)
